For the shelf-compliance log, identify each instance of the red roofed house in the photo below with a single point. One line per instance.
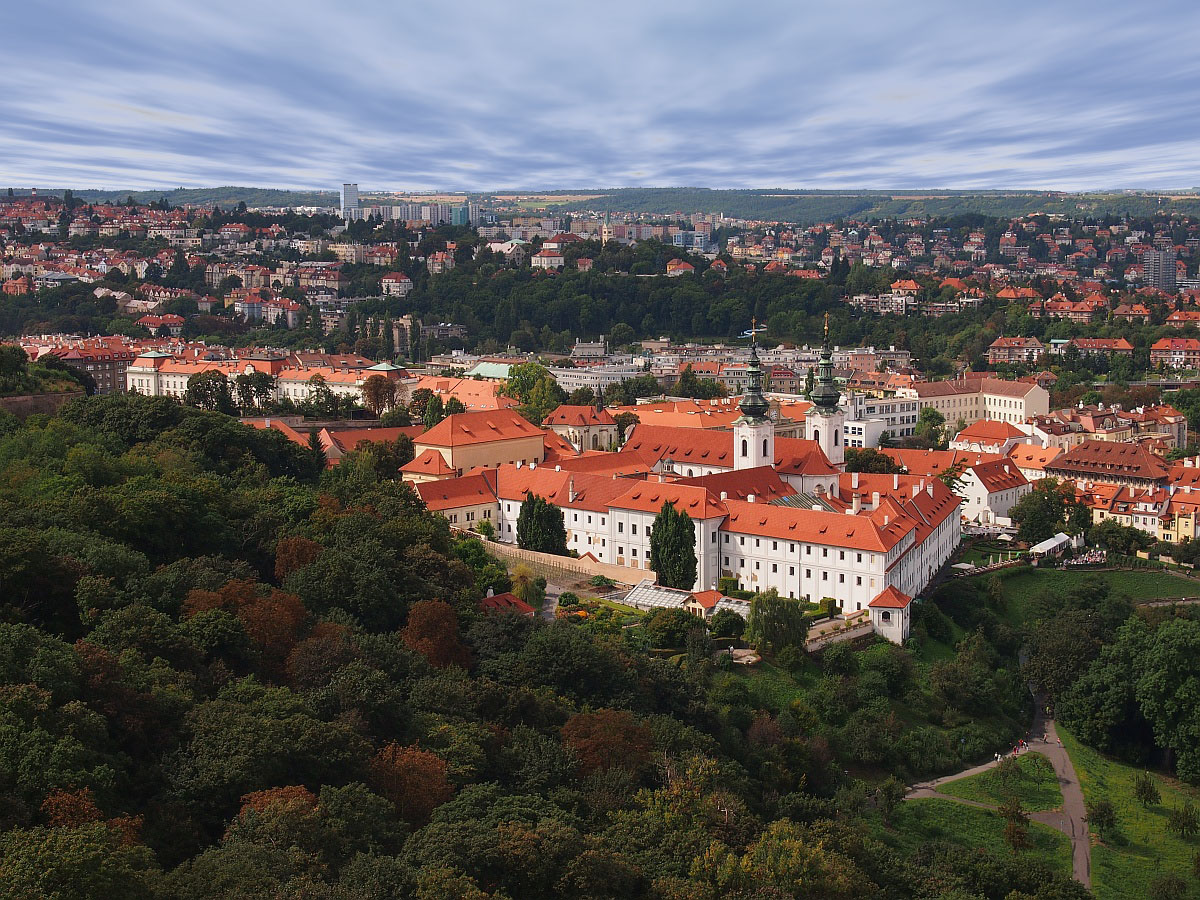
(1015, 349)
(989, 436)
(547, 259)
(586, 427)
(677, 267)
(1175, 353)
(989, 491)
(488, 438)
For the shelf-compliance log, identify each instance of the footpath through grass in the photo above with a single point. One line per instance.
(1034, 784)
(916, 822)
(1124, 864)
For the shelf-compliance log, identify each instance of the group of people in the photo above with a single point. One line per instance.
(1090, 558)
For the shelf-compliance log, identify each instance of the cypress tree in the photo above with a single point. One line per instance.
(673, 548)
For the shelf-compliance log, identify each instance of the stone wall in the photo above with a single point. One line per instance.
(25, 405)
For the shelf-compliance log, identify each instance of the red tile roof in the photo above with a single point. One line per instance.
(462, 429)
(891, 598)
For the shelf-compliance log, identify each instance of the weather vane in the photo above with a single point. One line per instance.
(754, 329)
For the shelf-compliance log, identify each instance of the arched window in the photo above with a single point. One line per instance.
(764, 447)
(886, 615)
(745, 448)
(816, 436)
(835, 437)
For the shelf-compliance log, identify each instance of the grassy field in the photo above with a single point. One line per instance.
(1123, 866)
(917, 821)
(1021, 584)
(1036, 788)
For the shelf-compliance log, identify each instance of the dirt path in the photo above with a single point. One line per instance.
(1070, 818)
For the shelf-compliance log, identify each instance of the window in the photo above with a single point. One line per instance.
(841, 578)
(727, 562)
(808, 573)
(774, 545)
(808, 549)
(745, 447)
(774, 568)
(824, 551)
(633, 552)
(620, 551)
(824, 576)
(858, 580)
(756, 542)
(620, 528)
(757, 566)
(841, 554)
(741, 542)
(633, 528)
(791, 570)
(727, 539)
(764, 447)
(886, 615)
(859, 558)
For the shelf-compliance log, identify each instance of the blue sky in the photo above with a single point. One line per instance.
(485, 95)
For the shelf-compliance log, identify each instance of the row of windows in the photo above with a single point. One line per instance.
(741, 564)
(808, 548)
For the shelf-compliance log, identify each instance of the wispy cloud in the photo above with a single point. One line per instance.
(480, 94)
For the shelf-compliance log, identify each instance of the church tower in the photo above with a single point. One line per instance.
(753, 431)
(826, 420)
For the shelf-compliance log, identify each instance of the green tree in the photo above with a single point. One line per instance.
(673, 548)
(209, 390)
(1145, 790)
(93, 860)
(454, 406)
(868, 459)
(930, 423)
(540, 526)
(775, 622)
(725, 623)
(434, 411)
(1042, 512)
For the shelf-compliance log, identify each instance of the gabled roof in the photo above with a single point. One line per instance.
(763, 483)
(485, 426)
(506, 602)
(455, 493)
(1110, 459)
(430, 462)
(649, 496)
(890, 598)
(578, 416)
(1031, 456)
(989, 431)
(999, 475)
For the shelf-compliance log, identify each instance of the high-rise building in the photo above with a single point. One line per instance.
(460, 215)
(349, 200)
(1158, 270)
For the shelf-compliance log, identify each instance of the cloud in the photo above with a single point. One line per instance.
(479, 95)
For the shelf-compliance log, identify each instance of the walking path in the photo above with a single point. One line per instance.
(1070, 818)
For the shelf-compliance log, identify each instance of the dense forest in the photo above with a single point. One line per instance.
(229, 672)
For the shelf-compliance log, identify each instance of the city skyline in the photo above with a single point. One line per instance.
(1068, 97)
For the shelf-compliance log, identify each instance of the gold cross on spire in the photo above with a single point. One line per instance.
(826, 323)
(753, 325)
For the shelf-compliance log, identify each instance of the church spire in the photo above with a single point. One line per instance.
(825, 395)
(754, 404)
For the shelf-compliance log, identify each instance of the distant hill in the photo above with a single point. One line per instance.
(222, 196)
(808, 207)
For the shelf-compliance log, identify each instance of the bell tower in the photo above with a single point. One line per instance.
(827, 419)
(753, 431)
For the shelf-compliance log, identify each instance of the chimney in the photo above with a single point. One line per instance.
(856, 505)
(749, 498)
(854, 480)
(724, 495)
(874, 499)
(929, 487)
(571, 495)
(886, 520)
(520, 462)
(896, 482)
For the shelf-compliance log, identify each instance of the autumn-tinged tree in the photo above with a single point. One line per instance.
(70, 809)
(414, 780)
(379, 394)
(608, 738)
(432, 631)
(292, 553)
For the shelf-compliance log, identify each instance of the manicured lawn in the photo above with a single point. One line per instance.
(1124, 866)
(917, 821)
(1036, 788)
(986, 554)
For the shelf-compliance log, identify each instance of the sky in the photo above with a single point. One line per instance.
(474, 95)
